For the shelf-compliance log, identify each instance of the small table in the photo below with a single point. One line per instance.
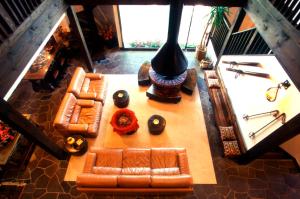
(76, 145)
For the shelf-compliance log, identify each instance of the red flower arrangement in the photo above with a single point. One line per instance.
(6, 134)
(124, 121)
(107, 32)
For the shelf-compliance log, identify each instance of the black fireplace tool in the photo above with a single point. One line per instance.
(234, 63)
(282, 116)
(243, 72)
(274, 113)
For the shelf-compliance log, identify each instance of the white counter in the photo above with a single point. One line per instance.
(247, 95)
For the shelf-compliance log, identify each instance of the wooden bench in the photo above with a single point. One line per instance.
(222, 109)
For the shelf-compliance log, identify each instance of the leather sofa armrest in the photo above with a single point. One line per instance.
(89, 95)
(78, 127)
(93, 76)
(90, 162)
(85, 103)
(183, 163)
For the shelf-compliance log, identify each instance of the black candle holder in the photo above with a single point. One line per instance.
(156, 124)
(121, 98)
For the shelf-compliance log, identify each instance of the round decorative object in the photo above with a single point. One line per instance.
(124, 121)
(121, 98)
(76, 145)
(156, 124)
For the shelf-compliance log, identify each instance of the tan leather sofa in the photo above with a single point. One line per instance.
(78, 116)
(88, 85)
(136, 170)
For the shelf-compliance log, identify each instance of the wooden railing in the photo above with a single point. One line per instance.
(289, 9)
(13, 13)
(246, 42)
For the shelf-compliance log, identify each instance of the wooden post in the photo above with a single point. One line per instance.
(14, 119)
(234, 27)
(75, 26)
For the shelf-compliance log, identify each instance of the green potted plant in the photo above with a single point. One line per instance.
(217, 14)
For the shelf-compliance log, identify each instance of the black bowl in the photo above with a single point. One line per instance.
(156, 124)
(121, 98)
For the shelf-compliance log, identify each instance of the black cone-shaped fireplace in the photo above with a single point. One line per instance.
(170, 60)
(169, 65)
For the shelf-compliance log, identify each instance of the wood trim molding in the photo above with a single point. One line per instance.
(118, 26)
(279, 34)
(229, 3)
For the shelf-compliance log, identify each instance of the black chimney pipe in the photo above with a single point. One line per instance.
(170, 60)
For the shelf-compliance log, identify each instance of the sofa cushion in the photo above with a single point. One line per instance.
(136, 157)
(98, 87)
(183, 163)
(89, 162)
(94, 180)
(134, 180)
(92, 117)
(136, 171)
(171, 181)
(106, 170)
(65, 112)
(166, 171)
(211, 74)
(109, 158)
(85, 85)
(75, 115)
(163, 158)
(77, 81)
(213, 83)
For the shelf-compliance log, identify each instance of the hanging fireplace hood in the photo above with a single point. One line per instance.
(170, 60)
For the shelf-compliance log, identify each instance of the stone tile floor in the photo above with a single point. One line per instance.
(262, 178)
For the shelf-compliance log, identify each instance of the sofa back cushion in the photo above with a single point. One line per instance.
(163, 158)
(65, 112)
(109, 158)
(77, 81)
(133, 157)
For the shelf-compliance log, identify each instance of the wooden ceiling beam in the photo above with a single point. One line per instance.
(279, 34)
(229, 3)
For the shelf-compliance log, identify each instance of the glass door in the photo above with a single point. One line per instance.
(146, 27)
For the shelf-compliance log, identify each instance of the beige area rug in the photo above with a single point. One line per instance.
(185, 128)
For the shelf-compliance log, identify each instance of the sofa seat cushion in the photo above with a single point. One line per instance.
(165, 171)
(136, 171)
(171, 181)
(99, 87)
(109, 158)
(134, 180)
(87, 115)
(106, 170)
(94, 180)
(163, 158)
(75, 115)
(136, 157)
(91, 116)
